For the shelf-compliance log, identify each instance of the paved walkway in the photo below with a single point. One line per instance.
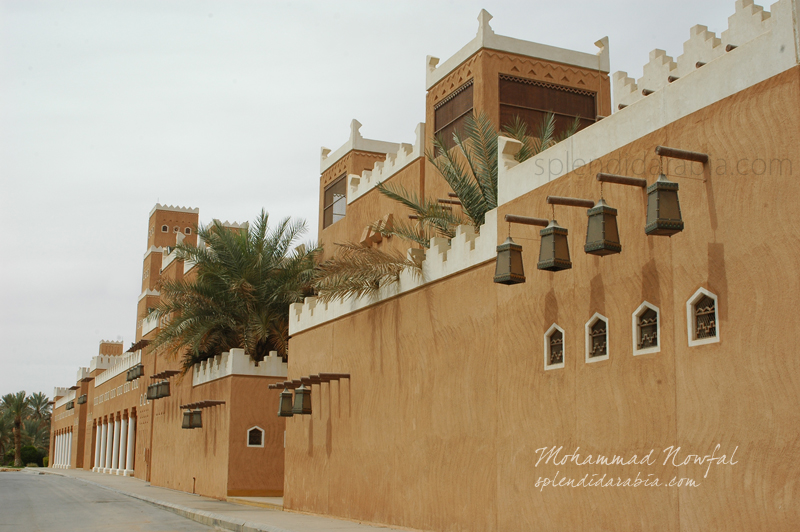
(212, 512)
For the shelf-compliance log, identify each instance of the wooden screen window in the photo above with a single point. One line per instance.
(531, 100)
(335, 201)
(599, 339)
(648, 329)
(705, 318)
(556, 343)
(450, 113)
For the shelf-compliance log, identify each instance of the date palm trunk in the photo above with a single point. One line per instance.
(17, 443)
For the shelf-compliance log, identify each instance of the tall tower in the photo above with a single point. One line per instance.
(165, 225)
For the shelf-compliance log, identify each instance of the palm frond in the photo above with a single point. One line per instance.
(359, 271)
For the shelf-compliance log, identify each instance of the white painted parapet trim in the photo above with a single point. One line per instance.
(355, 142)
(441, 260)
(59, 391)
(383, 170)
(237, 362)
(764, 57)
(148, 292)
(487, 38)
(148, 324)
(121, 363)
(748, 23)
(102, 362)
(173, 208)
(68, 396)
(83, 373)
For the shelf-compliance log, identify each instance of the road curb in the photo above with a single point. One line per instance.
(200, 516)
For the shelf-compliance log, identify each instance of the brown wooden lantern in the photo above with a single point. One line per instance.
(508, 269)
(302, 401)
(602, 235)
(187, 420)
(285, 408)
(554, 250)
(197, 419)
(663, 208)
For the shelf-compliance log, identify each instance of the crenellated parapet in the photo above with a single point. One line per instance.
(102, 362)
(488, 39)
(773, 48)
(748, 23)
(59, 392)
(355, 142)
(174, 208)
(119, 364)
(442, 259)
(237, 362)
(83, 374)
(68, 395)
(383, 170)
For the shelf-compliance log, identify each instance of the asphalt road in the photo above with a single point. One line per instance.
(45, 503)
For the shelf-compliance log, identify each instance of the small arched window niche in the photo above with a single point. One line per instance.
(188, 231)
(597, 338)
(702, 318)
(164, 229)
(646, 326)
(554, 347)
(255, 437)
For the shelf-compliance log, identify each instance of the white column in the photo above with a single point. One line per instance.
(69, 450)
(131, 447)
(123, 441)
(97, 439)
(61, 450)
(103, 448)
(115, 449)
(109, 445)
(54, 458)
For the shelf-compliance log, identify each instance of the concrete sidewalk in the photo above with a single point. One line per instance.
(212, 512)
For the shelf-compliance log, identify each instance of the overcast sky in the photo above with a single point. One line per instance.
(109, 107)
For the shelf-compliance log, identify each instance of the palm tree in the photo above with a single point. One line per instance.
(245, 281)
(36, 433)
(470, 169)
(6, 433)
(40, 406)
(17, 407)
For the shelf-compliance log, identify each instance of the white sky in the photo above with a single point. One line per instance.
(109, 107)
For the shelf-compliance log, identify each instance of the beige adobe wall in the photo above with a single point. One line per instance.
(255, 471)
(438, 427)
(192, 460)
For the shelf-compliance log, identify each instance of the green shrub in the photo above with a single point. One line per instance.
(45, 461)
(31, 454)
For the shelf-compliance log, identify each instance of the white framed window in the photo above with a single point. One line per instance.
(255, 437)
(188, 230)
(702, 318)
(646, 327)
(554, 348)
(164, 229)
(597, 345)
